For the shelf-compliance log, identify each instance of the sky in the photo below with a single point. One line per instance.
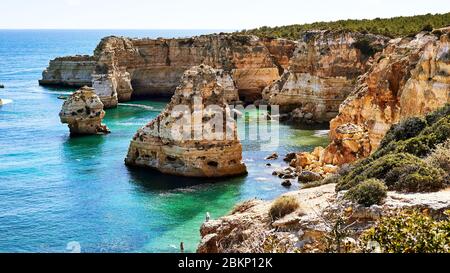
(199, 14)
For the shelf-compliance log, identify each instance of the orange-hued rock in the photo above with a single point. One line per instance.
(83, 112)
(351, 142)
(123, 67)
(411, 77)
(322, 73)
(185, 138)
(156, 66)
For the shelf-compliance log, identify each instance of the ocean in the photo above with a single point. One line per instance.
(58, 192)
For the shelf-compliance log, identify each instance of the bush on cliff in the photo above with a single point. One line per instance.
(440, 157)
(399, 160)
(392, 27)
(409, 232)
(406, 129)
(374, 169)
(283, 206)
(368, 193)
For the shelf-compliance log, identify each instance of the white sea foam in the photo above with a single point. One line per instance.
(321, 133)
(146, 107)
(5, 101)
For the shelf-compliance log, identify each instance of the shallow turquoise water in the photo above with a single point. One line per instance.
(55, 190)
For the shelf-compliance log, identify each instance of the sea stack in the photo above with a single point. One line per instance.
(195, 136)
(83, 112)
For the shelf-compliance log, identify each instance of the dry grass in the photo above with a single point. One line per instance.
(283, 206)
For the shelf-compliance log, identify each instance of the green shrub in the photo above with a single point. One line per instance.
(392, 27)
(410, 232)
(283, 206)
(440, 157)
(438, 114)
(368, 193)
(406, 129)
(420, 178)
(377, 168)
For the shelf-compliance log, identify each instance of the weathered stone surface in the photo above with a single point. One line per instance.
(349, 144)
(173, 144)
(322, 73)
(309, 224)
(69, 71)
(411, 77)
(307, 176)
(83, 112)
(155, 66)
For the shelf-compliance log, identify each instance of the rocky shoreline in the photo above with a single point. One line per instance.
(385, 100)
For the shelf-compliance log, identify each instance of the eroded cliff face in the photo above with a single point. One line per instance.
(156, 66)
(69, 71)
(124, 67)
(83, 112)
(322, 73)
(195, 135)
(411, 77)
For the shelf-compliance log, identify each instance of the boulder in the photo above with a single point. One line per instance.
(307, 176)
(83, 112)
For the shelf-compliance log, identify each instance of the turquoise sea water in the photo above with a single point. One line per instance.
(55, 190)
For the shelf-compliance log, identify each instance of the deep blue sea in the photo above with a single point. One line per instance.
(55, 190)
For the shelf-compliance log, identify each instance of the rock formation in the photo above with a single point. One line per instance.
(123, 67)
(249, 229)
(83, 112)
(195, 135)
(69, 71)
(411, 77)
(322, 73)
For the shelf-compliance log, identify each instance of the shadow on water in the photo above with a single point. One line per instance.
(149, 180)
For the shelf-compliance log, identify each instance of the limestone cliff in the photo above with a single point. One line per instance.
(411, 77)
(195, 135)
(322, 73)
(70, 71)
(83, 112)
(156, 66)
(123, 67)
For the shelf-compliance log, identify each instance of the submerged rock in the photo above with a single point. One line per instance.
(2, 86)
(195, 135)
(83, 112)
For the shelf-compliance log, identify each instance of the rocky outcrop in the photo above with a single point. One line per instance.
(411, 77)
(156, 66)
(322, 73)
(83, 112)
(249, 229)
(123, 67)
(73, 71)
(195, 135)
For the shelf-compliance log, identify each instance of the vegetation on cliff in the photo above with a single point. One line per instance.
(410, 232)
(391, 27)
(412, 156)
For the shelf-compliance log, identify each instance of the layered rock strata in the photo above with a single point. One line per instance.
(73, 71)
(322, 73)
(123, 67)
(195, 135)
(83, 112)
(411, 77)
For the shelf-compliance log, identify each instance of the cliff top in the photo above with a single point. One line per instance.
(392, 27)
